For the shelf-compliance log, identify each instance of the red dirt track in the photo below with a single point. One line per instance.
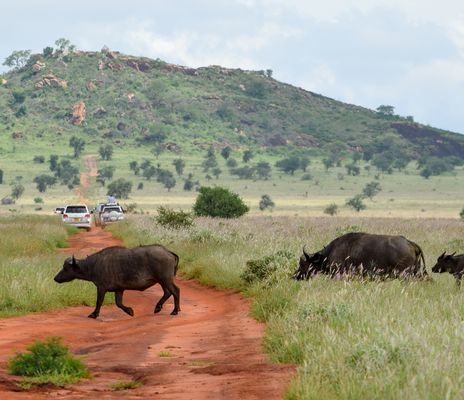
(211, 350)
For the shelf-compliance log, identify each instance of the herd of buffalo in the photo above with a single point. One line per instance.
(117, 268)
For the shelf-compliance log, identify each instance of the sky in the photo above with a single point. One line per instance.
(405, 53)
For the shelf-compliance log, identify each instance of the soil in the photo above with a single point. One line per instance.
(211, 350)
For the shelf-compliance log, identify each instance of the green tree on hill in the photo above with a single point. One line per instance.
(120, 188)
(106, 152)
(78, 145)
(44, 181)
(17, 59)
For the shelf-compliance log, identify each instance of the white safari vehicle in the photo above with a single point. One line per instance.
(77, 215)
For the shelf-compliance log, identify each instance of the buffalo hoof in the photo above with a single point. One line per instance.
(157, 310)
(129, 311)
(93, 315)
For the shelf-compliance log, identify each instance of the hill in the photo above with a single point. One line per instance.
(108, 96)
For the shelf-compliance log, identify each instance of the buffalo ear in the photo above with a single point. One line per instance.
(442, 256)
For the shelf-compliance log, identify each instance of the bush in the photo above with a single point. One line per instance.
(219, 202)
(174, 219)
(356, 203)
(266, 202)
(263, 268)
(331, 209)
(120, 188)
(461, 214)
(48, 362)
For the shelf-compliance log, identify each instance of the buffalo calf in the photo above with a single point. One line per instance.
(117, 268)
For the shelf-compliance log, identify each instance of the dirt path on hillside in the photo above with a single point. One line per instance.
(211, 350)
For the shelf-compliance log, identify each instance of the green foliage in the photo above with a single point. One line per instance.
(106, 152)
(356, 203)
(352, 169)
(39, 159)
(289, 165)
(256, 88)
(17, 59)
(386, 111)
(247, 155)
(371, 189)
(1, 176)
(47, 51)
(17, 190)
(435, 166)
(78, 145)
(19, 96)
(225, 152)
(120, 188)
(126, 385)
(266, 202)
(219, 202)
(461, 214)
(174, 219)
(179, 164)
(44, 181)
(262, 268)
(48, 362)
(331, 209)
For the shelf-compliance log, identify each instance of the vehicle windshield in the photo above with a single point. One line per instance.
(76, 209)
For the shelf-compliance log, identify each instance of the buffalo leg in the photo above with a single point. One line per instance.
(100, 297)
(118, 299)
(163, 299)
(176, 293)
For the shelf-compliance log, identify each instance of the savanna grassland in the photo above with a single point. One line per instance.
(29, 262)
(351, 339)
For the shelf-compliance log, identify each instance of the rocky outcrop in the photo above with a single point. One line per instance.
(181, 69)
(38, 66)
(140, 66)
(78, 113)
(51, 81)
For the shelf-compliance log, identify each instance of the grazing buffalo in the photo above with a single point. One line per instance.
(116, 269)
(365, 254)
(452, 264)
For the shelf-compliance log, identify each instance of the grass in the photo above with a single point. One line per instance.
(352, 339)
(28, 264)
(47, 362)
(126, 385)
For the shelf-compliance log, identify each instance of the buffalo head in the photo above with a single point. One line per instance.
(309, 265)
(69, 271)
(445, 263)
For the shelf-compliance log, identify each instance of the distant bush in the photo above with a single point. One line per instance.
(356, 203)
(39, 159)
(266, 202)
(461, 214)
(263, 268)
(331, 209)
(48, 362)
(120, 188)
(38, 200)
(219, 202)
(174, 219)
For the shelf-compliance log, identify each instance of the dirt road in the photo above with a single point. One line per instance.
(211, 350)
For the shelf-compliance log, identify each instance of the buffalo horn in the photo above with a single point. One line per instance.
(306, 254)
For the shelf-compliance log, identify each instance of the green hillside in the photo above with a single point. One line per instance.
(139, 100)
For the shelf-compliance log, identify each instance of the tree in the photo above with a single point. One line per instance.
(1, 176)
(352, 169)
(245, 172)
(106, 172)
(231, 163)
(256, 88)
(179, 164)
(263, 170)
(106, 152)
(53, 160)
(266, 202)
(371, 189)
(304, 163)
(331, 209)
(216, 172)
(386, 111)
(288, 165)
(356, 203)
(247, 156)
(134, 166)
(44, 181)
(64, 45)
(78, 145)
(461, 214)
(17, 59)
(219, 202)
(17, 190)
(328, 163)
(119, 188)
(47, 52)
(225, 152)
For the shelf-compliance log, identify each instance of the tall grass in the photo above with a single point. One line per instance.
(28, 264)
(352, 339)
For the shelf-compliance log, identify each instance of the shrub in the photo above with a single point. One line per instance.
(263, 268)
(331, 209)
(48, 362)
(120, 188)
(219, 202)
(356, 203)
(266, 202)
(174, 219)
(461, 214)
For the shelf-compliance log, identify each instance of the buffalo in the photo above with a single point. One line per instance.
(366, 254)
(452, 264)
(118, 268)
